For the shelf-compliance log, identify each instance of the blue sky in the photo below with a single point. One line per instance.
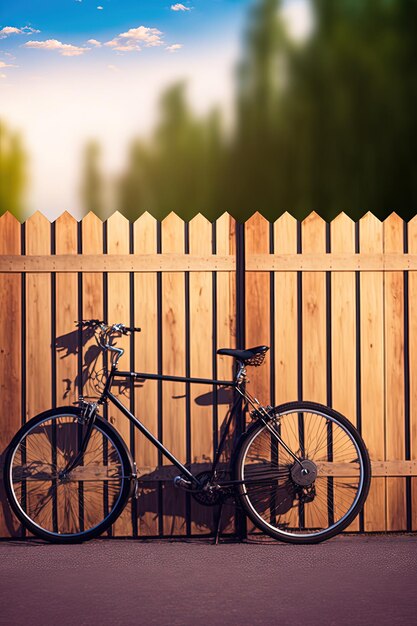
(75, 22)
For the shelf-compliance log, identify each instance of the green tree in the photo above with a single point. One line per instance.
(178, 169)
(92, 186)
(13, 175)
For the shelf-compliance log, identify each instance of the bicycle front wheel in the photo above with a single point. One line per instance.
(315, 495)
(67, 507)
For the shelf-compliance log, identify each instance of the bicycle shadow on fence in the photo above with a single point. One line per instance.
(155, 485)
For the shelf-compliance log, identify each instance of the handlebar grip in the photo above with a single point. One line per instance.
(134, 329)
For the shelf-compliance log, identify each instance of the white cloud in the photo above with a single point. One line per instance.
(65, 49)
(149, 36)
(12, 30)
(3, 64)
(179, 7)
(100, 8)
(113, 68)
(174, 47)
(94, 42)
(135, 38)
(3, 76)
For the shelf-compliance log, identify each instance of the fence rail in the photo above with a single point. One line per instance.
(336, 302)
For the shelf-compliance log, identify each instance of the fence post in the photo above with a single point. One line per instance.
(240, 518)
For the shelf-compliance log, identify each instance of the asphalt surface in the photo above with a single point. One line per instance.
(355, 580)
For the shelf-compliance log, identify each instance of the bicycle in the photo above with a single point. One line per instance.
(301, 471)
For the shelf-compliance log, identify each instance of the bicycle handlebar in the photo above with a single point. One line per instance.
(105, 328)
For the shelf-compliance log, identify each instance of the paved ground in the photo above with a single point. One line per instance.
(349, 580)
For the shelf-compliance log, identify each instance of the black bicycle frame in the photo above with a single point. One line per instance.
(115, 373)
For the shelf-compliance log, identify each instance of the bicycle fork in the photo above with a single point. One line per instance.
(88, 417)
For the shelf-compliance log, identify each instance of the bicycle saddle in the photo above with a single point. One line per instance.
(251, 356)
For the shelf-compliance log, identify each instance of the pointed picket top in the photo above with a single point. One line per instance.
(92, 234)
(285, 234)
(225, 234)
(172, 227)
(200, 235)
(9, 234)
(312, 218)
(342, 234)
(145, 234)
(91, 218)
(66, 218)
(117, 234)
(313, 229)
(38, 234)
(37, 219)
(257, 234)
(66, 234)
(393, 233)
(412, 235)
(370, 234)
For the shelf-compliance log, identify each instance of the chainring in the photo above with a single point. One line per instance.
(211, 493)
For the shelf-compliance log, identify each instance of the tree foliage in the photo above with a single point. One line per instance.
(12, 172)
(328, 124)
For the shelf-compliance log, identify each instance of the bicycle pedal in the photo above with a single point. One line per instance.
(183, 483)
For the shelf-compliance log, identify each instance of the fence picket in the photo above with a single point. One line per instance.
(258, 301)
(118, 296)
(285, 314)
(173, 362)
(343, 328)
(394, 374)
(10, 358)
(38, 333)
(412, 344)
(201, 363)
(146, 360)
(372, 368)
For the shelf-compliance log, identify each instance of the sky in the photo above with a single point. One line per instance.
(76, 70)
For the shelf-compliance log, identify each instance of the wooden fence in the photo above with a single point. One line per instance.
(336, 302)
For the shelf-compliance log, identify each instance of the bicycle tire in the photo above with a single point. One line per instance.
(58, 430)
(272, 498)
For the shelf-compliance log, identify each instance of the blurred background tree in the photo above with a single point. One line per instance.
(180, 168)
(325, 124)
(12, 172)
(92, 185)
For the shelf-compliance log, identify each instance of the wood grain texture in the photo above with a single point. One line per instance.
(343, 322)
(66, 312)
(412, 317)
(313, 235)
(257, 310)
(394, 374)
(92, 308)
(119, 312)
(10, 359)
(173, 362)
(331, 262)
(285, 314)
(117, 262)
(314, 342)
(201, 362)
(38, 327)
(38, 321)
(226, 338)
(92, 303)
(146, 360)
(372, 368)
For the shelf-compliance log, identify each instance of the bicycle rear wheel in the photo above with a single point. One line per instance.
(314, 497)
(72, 507)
